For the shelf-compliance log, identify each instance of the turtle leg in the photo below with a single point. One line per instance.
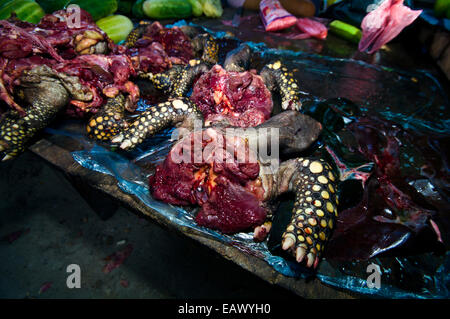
(278, 77)
(109, 121)
(156, 118)
(209, 48)
(136, 34)
(46, 96)
(238, 60)
(315, 207)
(177, 81)
(161, 81)
(183, 80)
(16, 131)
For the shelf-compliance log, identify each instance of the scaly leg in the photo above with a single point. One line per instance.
(277, 77)
(177, 81)
(46, 95)
(206, 44)
(136, 34)
(160, 81)
(17, 131)
(315, 207)
(183, 80)
(156, 118)
(109, 121)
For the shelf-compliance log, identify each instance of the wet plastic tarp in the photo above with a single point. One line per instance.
(382, 127)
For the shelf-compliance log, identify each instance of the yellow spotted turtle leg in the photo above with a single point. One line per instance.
(136, 34)
(182, 81)
(206, 44)
(315, 209)
(156, 118)
(279, 78)
(109, 121)
(17, 131)
(160, 81)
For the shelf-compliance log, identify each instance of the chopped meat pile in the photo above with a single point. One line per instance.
(241, 98)
(161, 47)
(84, 51)
(228, 191)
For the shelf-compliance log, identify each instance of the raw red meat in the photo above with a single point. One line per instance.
(53, 43)
(241, 98)
(227, 191)
(159, 47)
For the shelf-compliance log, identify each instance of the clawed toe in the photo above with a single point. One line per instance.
(7, 157)
(126, 144)
(300, 251)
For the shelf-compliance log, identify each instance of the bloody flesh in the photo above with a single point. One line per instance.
(227, 191)
(239, 97)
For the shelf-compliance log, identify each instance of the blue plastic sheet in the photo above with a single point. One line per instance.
(374, 89)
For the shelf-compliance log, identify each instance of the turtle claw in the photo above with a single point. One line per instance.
(7, 157)
(117, 139)
(300, 254)
(287, 243)
(126, 144)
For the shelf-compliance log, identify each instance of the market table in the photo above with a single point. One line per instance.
(103, 194)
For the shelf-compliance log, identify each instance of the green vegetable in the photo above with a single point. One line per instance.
(212, 8)
(137, 10)
(117, 27)
(197, 8)
(26, 10)
(51, 6)
(441, 7)
(97, 9)
(345, 30)
(167, 9)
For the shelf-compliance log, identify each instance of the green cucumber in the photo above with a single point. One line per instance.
(51, 6)
(137, 10)
(212, 8)
(167, 9)
(97, 9)
(26, 10)
(117, 27)
(5, 2)
(197, 8)
(345, 30)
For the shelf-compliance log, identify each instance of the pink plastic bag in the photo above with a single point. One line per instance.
(312, 28)
(384, 23)
(274, 16)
